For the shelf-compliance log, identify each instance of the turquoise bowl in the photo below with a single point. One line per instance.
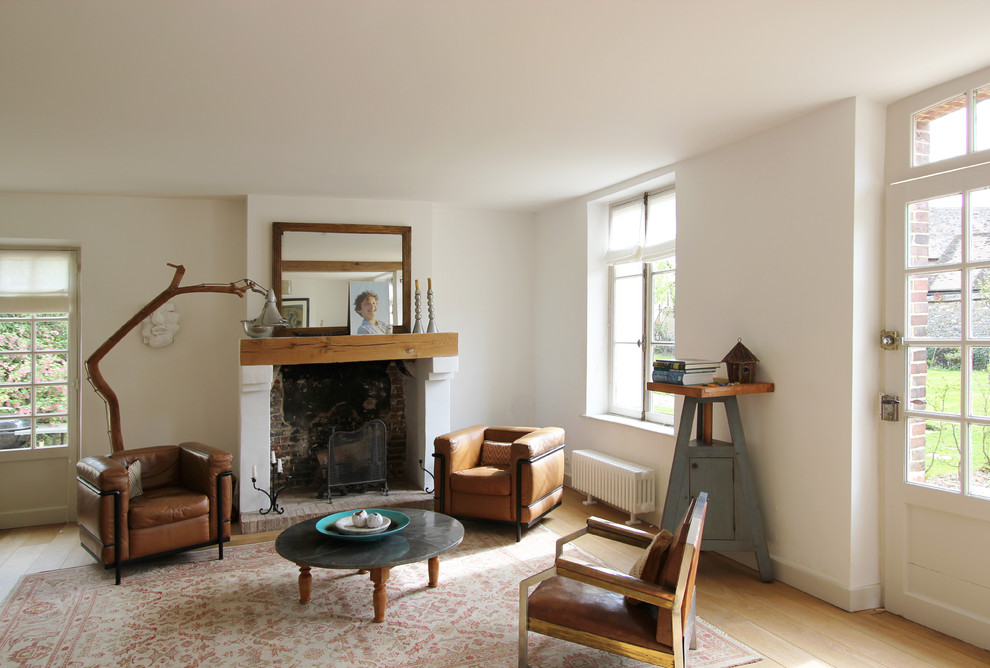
(326, 524)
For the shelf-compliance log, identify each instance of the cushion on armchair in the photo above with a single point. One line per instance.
(134, 479)
(650, 564)
(495, 453)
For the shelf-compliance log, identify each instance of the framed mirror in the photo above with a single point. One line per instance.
(313, 265)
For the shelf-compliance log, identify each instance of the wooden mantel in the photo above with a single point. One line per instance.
(329, 349)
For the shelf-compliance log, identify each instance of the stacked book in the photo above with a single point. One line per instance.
(684, 371)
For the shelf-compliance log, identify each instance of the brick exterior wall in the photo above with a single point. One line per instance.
(917, 315)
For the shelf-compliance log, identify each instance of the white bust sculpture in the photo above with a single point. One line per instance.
(158, 330)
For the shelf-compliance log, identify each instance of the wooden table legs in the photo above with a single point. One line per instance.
(434, 568)
(379, 576)
(305, 584)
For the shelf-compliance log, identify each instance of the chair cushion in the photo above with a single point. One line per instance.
(495, 453)
(575, 605)
(134, 479)
(487, 480)
(650, 564)
(165, 505)
(647, 567)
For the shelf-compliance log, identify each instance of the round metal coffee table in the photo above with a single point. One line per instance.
(427, 536)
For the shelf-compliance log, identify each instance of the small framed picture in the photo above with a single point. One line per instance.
(369, 307)
(296, 311)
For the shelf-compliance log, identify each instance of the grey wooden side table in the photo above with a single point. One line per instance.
(734, 522)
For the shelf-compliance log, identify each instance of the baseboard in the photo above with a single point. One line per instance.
(825, 588)
(28, 518)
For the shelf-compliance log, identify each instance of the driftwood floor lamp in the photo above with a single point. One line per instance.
(93, 373)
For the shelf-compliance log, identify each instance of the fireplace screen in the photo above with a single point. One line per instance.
(357, 458)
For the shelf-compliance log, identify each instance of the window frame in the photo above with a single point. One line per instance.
(914, 186)
(661, 252)
(71, 447)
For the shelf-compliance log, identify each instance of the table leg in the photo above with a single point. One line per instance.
(434, 568)
(305, 583)
(379, 576)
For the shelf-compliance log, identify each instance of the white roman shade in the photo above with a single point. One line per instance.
(35, 281)
(661, 226)
(643, 229)
(625, 232)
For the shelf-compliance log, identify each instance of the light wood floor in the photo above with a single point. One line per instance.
(785, 625)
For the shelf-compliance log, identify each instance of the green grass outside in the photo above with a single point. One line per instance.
(944, 394)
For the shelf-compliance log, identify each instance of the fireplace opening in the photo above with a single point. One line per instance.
(315, 404)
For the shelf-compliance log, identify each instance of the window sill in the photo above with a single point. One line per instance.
(654, 427)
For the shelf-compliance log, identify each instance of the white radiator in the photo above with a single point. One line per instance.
(620, 483)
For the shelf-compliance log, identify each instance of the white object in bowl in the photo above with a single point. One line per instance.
(346, 525)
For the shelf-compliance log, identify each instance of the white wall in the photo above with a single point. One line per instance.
(485, 281)
(775, 235)
(775, 232)
(185, 391)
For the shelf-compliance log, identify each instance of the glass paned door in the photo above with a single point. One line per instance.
(937, 475)
(947, 374)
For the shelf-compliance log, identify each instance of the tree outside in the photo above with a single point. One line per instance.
(34, 376)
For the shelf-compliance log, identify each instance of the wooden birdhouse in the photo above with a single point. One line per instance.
(740, 364)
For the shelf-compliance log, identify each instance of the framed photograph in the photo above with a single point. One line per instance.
(369, 307)
(296, 311)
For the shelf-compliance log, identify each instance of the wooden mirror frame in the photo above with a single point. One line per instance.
(279, 265)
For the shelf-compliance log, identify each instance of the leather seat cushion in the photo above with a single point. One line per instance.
(485, 480)
(165, 505)
(168, 537)
(572, 604)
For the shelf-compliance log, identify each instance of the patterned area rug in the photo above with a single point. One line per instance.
(194, 610)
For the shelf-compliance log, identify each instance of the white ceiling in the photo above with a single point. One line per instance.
(508, 104)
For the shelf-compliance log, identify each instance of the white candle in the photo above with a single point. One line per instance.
(280, 466)
(254, 473)
(273, 456)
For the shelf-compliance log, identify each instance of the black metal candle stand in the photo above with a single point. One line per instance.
(429, 473)
(279, 481)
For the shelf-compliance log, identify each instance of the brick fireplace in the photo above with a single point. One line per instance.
(311, 401)
(418, 367)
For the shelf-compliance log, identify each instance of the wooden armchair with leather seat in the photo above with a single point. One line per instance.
(649, 617)
(505, 474)
(147, 502)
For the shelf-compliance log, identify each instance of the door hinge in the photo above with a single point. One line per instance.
(890, 340)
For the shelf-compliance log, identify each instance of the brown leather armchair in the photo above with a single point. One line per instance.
(506, 474)
(185, 502)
